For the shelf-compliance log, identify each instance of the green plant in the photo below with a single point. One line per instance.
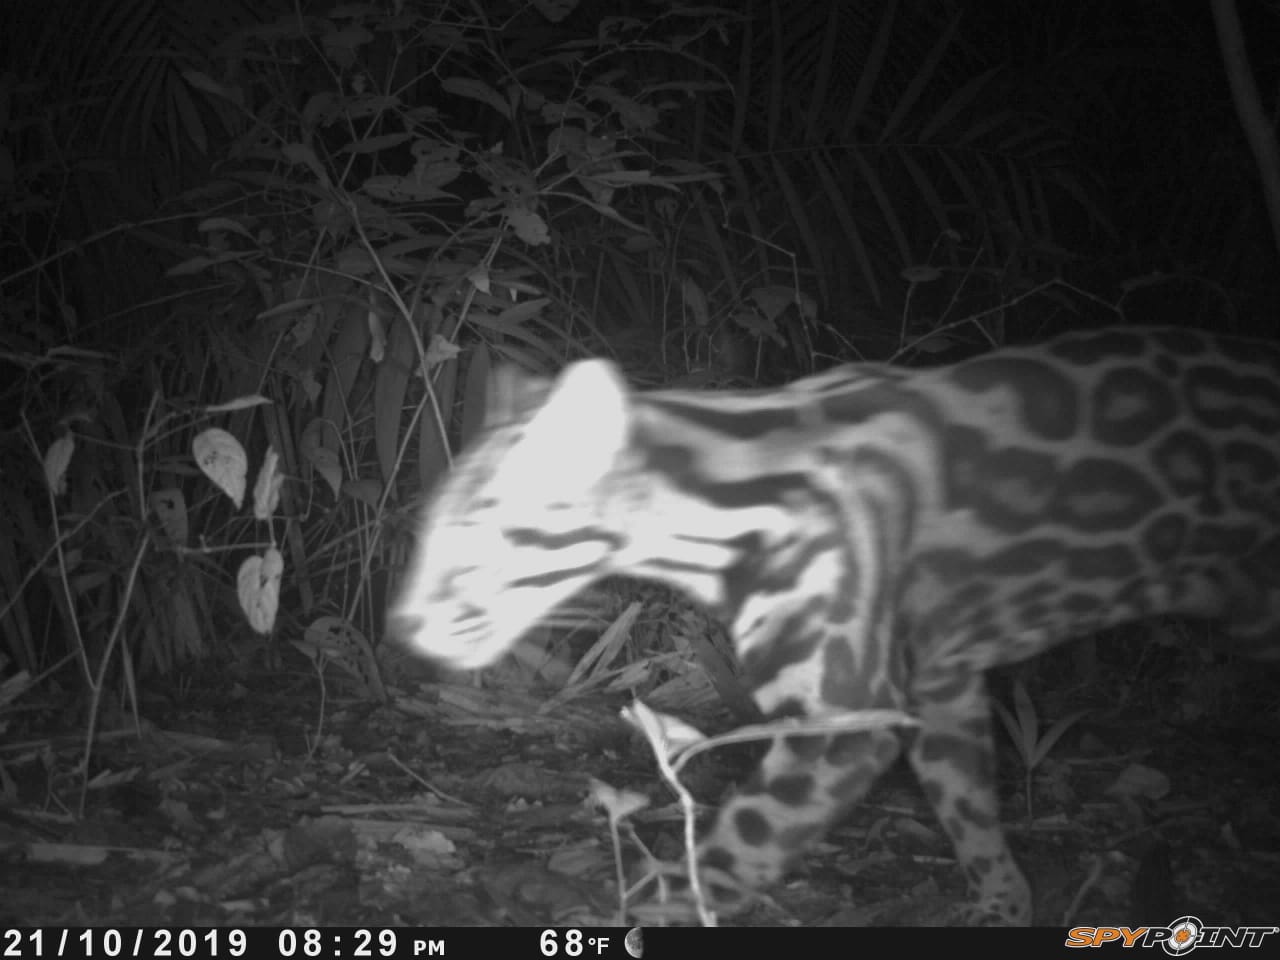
(1023, 726)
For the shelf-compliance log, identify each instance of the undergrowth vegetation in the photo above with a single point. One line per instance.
(285, 252)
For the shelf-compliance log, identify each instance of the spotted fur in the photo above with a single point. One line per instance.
(877, 537)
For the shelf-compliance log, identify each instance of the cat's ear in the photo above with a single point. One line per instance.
(575, 438)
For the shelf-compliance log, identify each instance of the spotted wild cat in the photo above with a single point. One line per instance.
(877, 537)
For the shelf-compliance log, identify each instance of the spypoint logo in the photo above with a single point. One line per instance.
(1185, 933)
(1177, 939)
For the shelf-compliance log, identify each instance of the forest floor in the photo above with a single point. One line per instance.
(239, 798)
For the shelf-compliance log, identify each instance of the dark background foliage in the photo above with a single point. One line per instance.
(318, 204)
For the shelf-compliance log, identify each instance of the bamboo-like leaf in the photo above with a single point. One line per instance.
(479, 91)
(958, 101)
(816, 102)
(799, 216)
(433, 446)
(1054, 734)
(237, 403)
(870, 70)
(742, 184)
(714, 241)
(203, 82)
(924, 75)
(184, 632)
(885, 202)
(266, 489)
(57, 458)
(525, 335)
(320, 453)
(474, 393)
(1097, 216)
(601, 655)
(15, 621)
(389, 385)
(525, 310)
(1021, 202)
(1028, 722)
(186, 119)
(349, 345)
(838, 204)
(926, 189)
(976, 134)
(1010, 724)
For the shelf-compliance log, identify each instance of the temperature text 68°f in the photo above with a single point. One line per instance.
(572, 943)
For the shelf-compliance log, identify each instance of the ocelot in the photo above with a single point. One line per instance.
(877, 536)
